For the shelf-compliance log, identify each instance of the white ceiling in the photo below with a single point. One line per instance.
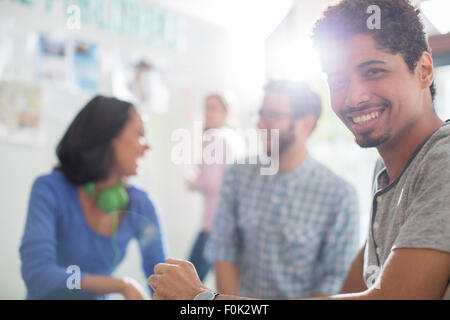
(256, 17)
(436, 13)
(259, 17)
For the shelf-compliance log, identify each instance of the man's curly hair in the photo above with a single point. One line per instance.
(401, 28)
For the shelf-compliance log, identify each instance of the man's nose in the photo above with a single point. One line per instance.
(357, 94)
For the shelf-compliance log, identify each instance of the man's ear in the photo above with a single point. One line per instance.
(425, 70)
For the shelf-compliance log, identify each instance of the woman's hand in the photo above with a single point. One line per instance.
(101, 285)
(132, 290)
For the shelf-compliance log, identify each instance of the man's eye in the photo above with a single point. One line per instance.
(374, 72)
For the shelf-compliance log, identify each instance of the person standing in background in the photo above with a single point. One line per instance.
(208, 179)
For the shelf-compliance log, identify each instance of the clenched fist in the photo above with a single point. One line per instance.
(175, 280)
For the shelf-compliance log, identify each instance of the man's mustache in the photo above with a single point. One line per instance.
(365, 107)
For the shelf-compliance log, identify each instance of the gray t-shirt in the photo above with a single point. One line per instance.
(413, 211)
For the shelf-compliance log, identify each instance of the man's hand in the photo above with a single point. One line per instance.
(175, 280)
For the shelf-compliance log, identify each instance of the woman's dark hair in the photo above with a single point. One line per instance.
(85, 152)
(401, 29)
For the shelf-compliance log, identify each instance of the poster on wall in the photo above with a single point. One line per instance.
(68, 63)
(138, 80)
(21, 114)
(51, 60)
(148, 86)
(86, 67)
(6, 46)
(17, 52)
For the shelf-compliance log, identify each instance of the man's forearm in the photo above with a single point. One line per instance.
(227, 277)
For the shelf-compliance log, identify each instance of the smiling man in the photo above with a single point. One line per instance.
(381, 87)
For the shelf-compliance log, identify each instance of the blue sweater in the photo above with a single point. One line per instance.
(57, 236)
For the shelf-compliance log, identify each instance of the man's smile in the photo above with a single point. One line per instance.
(365, 120)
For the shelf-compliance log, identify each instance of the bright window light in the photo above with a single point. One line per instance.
(297, 60)
(437, 12)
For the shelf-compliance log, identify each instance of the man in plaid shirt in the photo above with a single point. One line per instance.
(292, 234)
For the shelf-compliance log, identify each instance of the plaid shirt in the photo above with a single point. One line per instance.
(291, 235)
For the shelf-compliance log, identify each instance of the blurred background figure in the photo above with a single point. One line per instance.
(83, 214)
(208, 178)
(291, 234)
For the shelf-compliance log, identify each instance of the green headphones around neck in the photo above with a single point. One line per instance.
(111, 199)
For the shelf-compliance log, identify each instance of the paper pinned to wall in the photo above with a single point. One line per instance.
(138, 79)
(86, 65)
(52, 61)
(21, 114)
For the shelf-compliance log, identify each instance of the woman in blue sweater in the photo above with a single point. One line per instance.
(82, 215)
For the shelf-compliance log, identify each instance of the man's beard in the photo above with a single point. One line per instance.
(285, 141)
(367, 142)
